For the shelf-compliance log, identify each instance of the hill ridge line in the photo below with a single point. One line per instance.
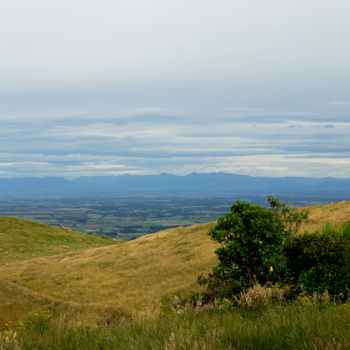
(196, 183)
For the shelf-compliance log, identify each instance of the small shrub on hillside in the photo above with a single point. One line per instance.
(319, 263)
(254, 297)
(258, 296)
(251, 251)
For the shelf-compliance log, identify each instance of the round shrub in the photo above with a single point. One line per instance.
(319, 263)
(251, 238)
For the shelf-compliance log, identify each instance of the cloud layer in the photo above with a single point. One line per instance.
(152, 141)
(255, 88)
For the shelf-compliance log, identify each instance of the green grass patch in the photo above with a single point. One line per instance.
(22, 239)
(274, 327)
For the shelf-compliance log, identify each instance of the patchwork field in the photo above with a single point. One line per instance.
(122, 217)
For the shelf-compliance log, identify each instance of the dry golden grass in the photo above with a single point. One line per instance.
(336, 213)
(23, 239)
(16, 301)
(147, 270)
(143, 271)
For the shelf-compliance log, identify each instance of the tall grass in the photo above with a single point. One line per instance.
(330, 230)
(346, 230)
(274, 327)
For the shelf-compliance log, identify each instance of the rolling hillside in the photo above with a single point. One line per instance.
(23, 239)
(136, 273)
(337, 213)
(150, 269)
(16, 301)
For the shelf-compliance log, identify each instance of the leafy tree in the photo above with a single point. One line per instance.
(251, 251)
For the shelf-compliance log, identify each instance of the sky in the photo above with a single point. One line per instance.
(252, 87)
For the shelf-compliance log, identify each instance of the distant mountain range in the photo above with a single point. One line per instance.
(213, 183)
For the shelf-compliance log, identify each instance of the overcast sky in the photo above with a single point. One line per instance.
(108, 87)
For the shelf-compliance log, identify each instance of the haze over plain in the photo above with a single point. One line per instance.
(252, 88)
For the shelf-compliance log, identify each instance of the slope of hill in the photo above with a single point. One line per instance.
(147, 270)
(136, 273)
(337, 213)
(23, 239)
(16, 301)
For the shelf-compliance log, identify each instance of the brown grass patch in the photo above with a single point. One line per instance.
(145, 271)
(16, 301)
(135, 274)
(337, 213)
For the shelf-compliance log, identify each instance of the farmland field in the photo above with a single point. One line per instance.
(130, 217)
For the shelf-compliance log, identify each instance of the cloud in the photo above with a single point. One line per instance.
(95, 166)
(135, 47)
(142, 144)
(333, 104)
(69, 115)
(329, 126)
(293, 126)
(150, 87)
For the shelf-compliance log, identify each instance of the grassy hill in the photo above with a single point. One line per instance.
(23, 239)
(16, 301)
(147, 270)
(337, 213)
(136, 273)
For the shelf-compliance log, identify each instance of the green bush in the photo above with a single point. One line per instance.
(251, 251)
(319, 262)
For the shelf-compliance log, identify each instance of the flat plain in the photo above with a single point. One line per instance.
(130, 217)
